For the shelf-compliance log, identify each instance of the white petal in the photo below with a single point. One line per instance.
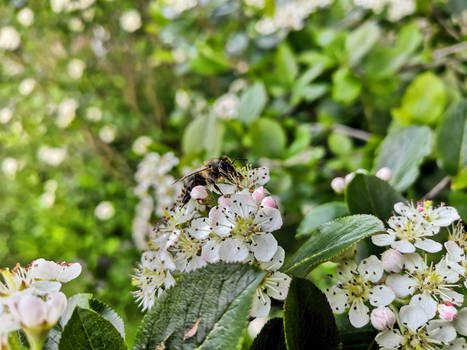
(412, 317)
(461, 322)
(200, 228)
(278, 285)
(345, 270)
(383, 239)
(195, 263)
(390, 339)
(337, 298)
(452, 296)
(264, 246)
(426, 303)
(449, 271)
(219, 222)
(446, 216)
(457, 344)
(381, 296)
(455, 253)
(242, 204)
(428, 245)
(225, 188)
(371, 269)
(402, 209)
(358, 314)
(413, 262)
(261, 305)
(258, 176)
(45, 287)
(210, 251)
(233, 250)
(402, 285)
(169, 280)
(268, 219)
(441, 330)
(404, 246)
(276, 261)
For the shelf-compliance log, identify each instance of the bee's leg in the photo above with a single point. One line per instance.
(213, 184)
(186, 198)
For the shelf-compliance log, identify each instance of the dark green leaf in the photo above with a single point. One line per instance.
(329, 240)
(451, 140)
(86, 329)
(252, 103)
(367, 194)
(109, 314)
(216, 299)
(320, 215)
(271, 336)
(308, 319)
(355, 338)
(403, 152)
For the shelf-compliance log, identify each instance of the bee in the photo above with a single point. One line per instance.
(214, 171)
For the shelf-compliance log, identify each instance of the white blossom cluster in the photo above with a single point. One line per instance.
(156, 190)
(397, 9)
(233, 226)
(30, 298)
(413, 298)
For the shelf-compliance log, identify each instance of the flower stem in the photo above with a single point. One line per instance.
(36, 338)
(396, 313)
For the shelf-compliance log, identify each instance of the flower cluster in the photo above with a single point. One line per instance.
(338, 184)
(415, 300)
(233, 226)
(30, 298)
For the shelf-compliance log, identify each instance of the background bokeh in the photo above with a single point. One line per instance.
(104, 104)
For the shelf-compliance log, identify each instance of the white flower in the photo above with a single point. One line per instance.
(384, 174)
(226, 106)
(51, 155)
(246, 227)
(274, 285)
(14, 281)
(400, 8)
(338, 184)
(251, 179)
(5, 115)
(406, 234)
(417, 333)
(107, 133)
(42, 269)
(182, 99)
(382, 318)
(355, 288)
(76, 25)
(66, 112)
(441, 216)
(104, 210)
(26, 86)
(47, 199)
(8, 324)
(9, 38)
(94, 114)
(75, 68)
(25, 16)
(10, 167)
(141, 144)
(130, 21)
(457, 344)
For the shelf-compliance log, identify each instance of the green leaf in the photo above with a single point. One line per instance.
(216, 298)
(458, 199)
(301, 140)
(346, 86)
(86, 329)
(423, 101)
(252, 103)
(360, 41)
(329, 240)
(109, 314)
(269, 138)
(271, 336)
(340, 144)
(355, 338)
(209, 61)
(320, 215)
(286, 66)
(306, 308)
(204, 133)
(451, 140)
(367, 194)
(403, 152)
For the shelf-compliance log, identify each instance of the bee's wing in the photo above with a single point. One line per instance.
(188, 175)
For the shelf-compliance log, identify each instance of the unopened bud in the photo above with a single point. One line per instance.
(392, 260)
(56, 305)
(447, 311)
(269, 202)
(199, 192)
(338, 184)
(384, 174)
(382, 318)
(260, 193)
(349, 177)
(29, 310)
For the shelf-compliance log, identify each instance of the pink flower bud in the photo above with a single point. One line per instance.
(260, 193)
(384, 174)
(199, 192)
(223, 201)
(382, 318)
(269, 202)
(392, 260)
(338, 184)
(56, 305)
(29, 310)
(447, 311)
(348, 178)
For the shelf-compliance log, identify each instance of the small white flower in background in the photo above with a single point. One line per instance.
(266, 26)
(10, 166)
(75, 68)
(382, 318)
(182, 99)
(53, 156)
(11, 68)
(66, 112)
(93, 114)
(104, 210)
(338, 184)
(259, 4)
(349, 177)
(9, 38)
(26, 86)
(130, 21)
(356, 287)
(107, 133)
(141, 144)
(25, 16)
(6, 114)
(47, 199)
(400, 8)
(76, 25)
(384, 174)
(226, 106)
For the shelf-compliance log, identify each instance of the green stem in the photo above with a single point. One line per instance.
(396, 313)
(36, 338)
